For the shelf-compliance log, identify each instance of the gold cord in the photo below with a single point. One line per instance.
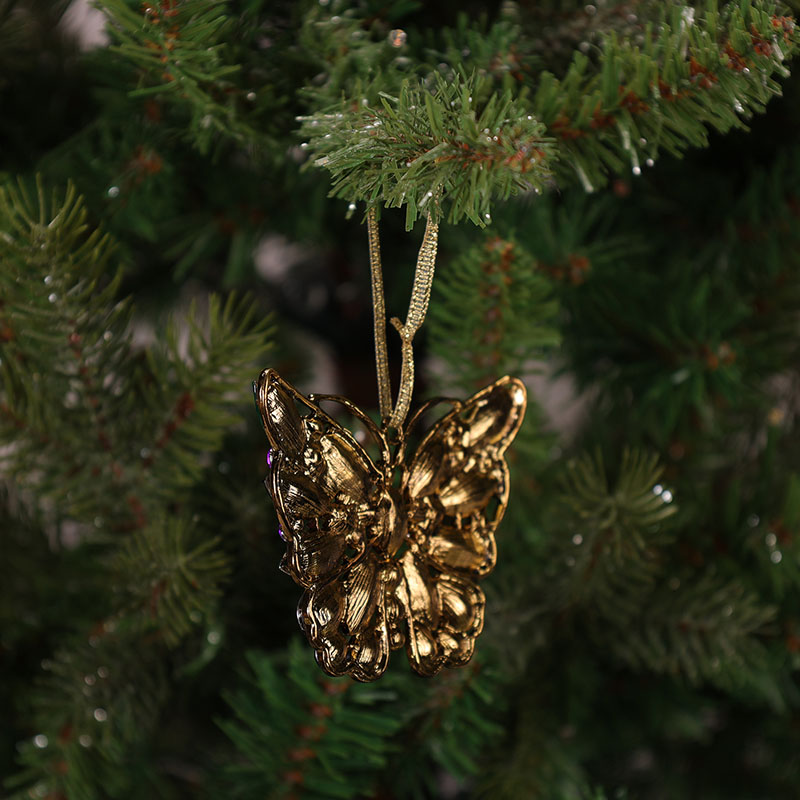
(379, 317)
(417, 308)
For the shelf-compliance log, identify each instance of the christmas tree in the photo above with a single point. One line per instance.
(183, 191)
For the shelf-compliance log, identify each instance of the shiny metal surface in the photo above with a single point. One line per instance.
(389, 548)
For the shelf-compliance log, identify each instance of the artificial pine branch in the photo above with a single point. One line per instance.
(509, 326)
(351, 43)
(186, 60)
(709, 631)
(58, 310)
(196, 368)
(62, 336)
(694, 72)
(170, 579)
(117, 438)
(297, 732)
(540, 763)
(613, 549)
(178, 50)
(455, 725)
(501, 50)
(708, 311)
(691, 72)
(92, 715)
(453, 149)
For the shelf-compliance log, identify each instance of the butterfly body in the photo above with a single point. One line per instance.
(389, 548)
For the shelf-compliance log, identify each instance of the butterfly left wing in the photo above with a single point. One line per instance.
(335, 514)
(348, 620)
(325, 488)
(456, 491)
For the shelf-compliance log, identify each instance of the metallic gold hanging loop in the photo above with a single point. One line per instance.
(379, 316)
(417, 308)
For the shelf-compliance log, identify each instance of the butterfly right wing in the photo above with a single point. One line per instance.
(457, 483)
(456, 490)
(334, 512)
(443, 614)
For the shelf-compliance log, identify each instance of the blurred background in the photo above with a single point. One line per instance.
(165, 236)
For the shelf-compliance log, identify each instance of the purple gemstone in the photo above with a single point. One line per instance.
(269, 458)
(282, 534)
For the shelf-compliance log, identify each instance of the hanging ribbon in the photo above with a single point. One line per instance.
(417, 309)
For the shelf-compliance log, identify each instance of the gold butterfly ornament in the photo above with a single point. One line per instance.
(389, 544)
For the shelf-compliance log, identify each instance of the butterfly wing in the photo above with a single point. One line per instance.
(347, 620)
(334, 513)
(443, 614)
(456, 489)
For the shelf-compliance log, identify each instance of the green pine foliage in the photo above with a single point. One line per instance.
(113, 436)
(179, 53)
(613, 527)
(175, 582)
(95, 713)
(68, 347)
(174, 218)
(314, 727)
(704, 632)
(405, 730)
(706, 323)
(690, 70)
(456, 146)
(515, 305)
(454, 730)
(683, 73)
